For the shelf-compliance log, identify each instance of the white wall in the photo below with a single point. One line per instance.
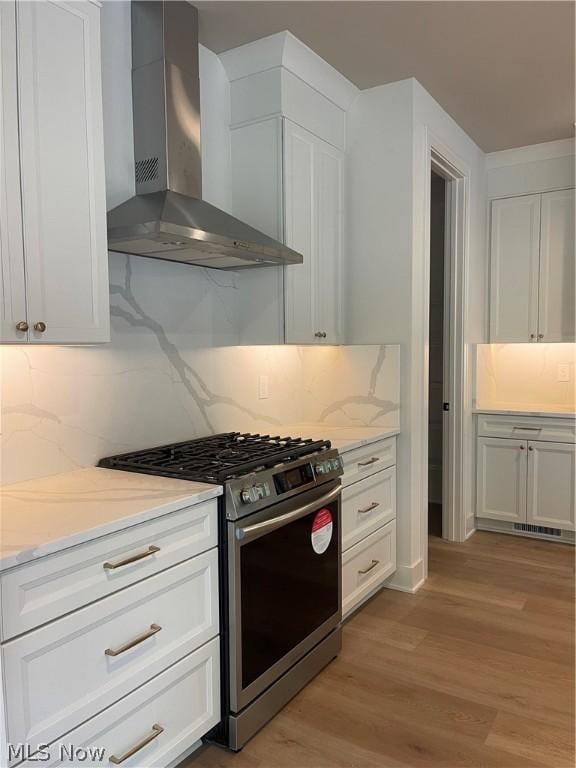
(389, 130)
(536, 168)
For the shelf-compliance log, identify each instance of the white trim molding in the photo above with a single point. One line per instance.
(531, 153)
(408, 578)
(286, 51)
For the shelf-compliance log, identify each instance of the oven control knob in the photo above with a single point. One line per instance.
(248, 495)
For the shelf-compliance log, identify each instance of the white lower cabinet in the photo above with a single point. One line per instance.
(367, 565)
(551, 477)
(526, 481)
(368, 521)
(130, 663)
(501, 479)
(153, 726)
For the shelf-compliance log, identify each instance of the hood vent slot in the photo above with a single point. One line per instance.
(146, 170)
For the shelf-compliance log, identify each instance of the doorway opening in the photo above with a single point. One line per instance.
(438, 350)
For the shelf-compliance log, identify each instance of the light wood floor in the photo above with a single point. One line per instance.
(477, 669)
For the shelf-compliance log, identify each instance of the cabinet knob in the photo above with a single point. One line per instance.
(540, 335)
(522, 447)
(532, 335)
(40, 327)
(320, 334)
(530, 448)
(22, 326)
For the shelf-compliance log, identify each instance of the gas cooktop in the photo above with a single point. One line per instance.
(217, 458)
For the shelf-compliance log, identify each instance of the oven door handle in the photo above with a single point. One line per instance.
(267, 526)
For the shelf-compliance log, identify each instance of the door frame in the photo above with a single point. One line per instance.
(455, 444)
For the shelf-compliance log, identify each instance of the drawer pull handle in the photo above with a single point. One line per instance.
(369, 508)
(373, 460)
(152, 549)
(528, 429)
(372, 565)
(154, 628)
(156, 731)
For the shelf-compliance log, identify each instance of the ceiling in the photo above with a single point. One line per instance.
(503, 70)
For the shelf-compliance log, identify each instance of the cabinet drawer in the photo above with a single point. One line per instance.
(367, 565)
(528, 428)
(184, 702)
(368, 505)
(368, 459)
(54, 585)
(69, 670)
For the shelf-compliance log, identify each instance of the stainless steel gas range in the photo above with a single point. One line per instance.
(280, 564)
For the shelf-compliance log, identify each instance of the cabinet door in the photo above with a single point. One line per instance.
(514, 257)
(551, 473)
(556, 308)
(62, 164)
(313, 182)
(300, 221)
(328, 265)
(12, 293)
(501, 479)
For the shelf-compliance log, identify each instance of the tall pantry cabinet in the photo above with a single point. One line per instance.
(53, 253)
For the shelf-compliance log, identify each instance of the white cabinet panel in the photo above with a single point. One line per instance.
(12, 286)
(551, 479)
(367, 565)
(328, 302)
(177, 707)
(62, 164)
(313, 190)
(65, 672)
(367, 506)
(300, 234)
(501, 479)
(42, 590)
(557, 305)
(514, 256)
(364, 461)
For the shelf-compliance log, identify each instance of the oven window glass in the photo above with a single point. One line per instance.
(288, 589)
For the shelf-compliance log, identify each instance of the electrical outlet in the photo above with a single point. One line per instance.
(263, 387)
(563, 372)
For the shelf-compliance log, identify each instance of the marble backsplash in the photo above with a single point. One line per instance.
(516, 376)
(160, 380)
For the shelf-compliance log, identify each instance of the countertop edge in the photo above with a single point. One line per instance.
(539, 414)
(23, 556)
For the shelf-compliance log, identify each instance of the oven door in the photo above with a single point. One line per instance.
(285, 574)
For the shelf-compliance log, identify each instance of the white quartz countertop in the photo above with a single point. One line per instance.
(40, 517)
(342, 438)
(522, 410)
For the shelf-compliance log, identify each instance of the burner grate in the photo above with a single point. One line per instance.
(216, 458)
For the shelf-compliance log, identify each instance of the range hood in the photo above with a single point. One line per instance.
(167, 219)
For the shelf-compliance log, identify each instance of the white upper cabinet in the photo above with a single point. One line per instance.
(61, 175)
(556, 307)
(12, 287)
(313, 179)
(515, 247)
(288, 119)
(532, 268)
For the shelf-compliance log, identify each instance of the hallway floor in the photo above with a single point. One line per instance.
(477, 669)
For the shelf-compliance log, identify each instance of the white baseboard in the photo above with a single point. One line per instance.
(407, 578)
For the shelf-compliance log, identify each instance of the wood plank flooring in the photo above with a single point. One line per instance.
(476, 669)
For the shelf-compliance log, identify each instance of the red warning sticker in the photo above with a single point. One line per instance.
(322, 531)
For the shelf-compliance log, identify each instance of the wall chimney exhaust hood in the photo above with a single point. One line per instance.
(167, 218)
